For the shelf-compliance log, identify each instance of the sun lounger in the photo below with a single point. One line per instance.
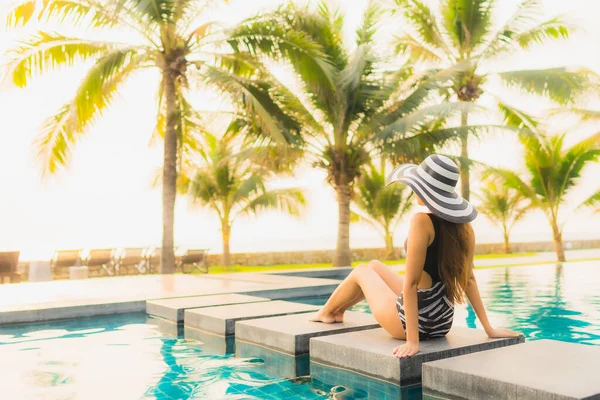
(133, 259)
(195, 258)
(153, 260)
(9, 261)
(101, 259)
(63, 259)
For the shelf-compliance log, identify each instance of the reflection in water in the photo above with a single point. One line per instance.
(533, 300)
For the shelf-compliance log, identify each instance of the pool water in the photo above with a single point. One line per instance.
(135, 357)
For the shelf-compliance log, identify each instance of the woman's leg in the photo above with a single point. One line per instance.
(381, 298)
(391, 278)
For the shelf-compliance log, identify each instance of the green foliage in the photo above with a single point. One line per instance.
(504, 206)
(170, 38)
(381, 206)
(232, 183)
(553, 171)
(361, 106)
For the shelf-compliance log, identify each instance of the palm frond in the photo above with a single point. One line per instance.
(158, 11)
(97, 90)
(425, 23)
(426, 85)
(514, 117)
(271, 35)
(46, 51)
(250, 187)
(562, 85)
(583, 114)
(290, 201)
(574, 160)
(524, 29)
(418, 49)
(467, 22)
(21, 13)
(405, 124)
(591, 202)
(512, 180)
(254, 99)
(358, 217)
(366, 32)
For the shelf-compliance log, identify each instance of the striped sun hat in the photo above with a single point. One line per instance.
(434, 181)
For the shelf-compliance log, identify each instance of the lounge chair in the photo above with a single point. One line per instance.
(65, 259)
(133, 257)
(101, 259)
(9, 262)
(196, 258)
(153, 260)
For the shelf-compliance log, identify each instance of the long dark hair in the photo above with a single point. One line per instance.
(455, 258)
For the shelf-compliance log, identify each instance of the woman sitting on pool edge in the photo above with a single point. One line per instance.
(439, 265)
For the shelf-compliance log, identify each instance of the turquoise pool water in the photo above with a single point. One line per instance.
(136, 357)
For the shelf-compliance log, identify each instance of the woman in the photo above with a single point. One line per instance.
(439, 265)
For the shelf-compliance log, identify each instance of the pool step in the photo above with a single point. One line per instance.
(290, 334)
(221, 320)
(544, 369)
(173, 309)
(370, 352)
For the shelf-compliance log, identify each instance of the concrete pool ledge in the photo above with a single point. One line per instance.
(370, 352)
(173, 309)
(540, 370)
(221, 320)
(67, 309)
(290, 334)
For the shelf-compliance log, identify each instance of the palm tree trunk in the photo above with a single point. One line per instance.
(226, 235)
(465, 174)
(342, 256)
(169, 189)
(558, 242)
(390, 251)
(507, 248)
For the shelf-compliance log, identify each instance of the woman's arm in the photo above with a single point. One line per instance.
(472, 292)
(419, 237)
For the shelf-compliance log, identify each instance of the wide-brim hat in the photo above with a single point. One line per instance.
(434, 181)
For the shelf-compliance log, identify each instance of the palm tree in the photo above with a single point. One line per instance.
(553, 171)
(504, 207)
(234, 184)
(463, 30)
(381, 206)
(170, 39)
(355, 102)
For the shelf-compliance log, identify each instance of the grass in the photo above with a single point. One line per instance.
(265, 268)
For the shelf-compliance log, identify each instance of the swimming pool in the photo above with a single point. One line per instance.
(134, 357)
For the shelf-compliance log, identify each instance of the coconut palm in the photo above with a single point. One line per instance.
(169, 36)
(503, 206)
(381, 206)
(553, 171)
(235, 183)
(360, 103)
(459, 30)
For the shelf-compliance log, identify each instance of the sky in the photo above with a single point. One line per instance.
(105, 198)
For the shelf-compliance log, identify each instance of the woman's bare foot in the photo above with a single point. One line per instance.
(324, 317)
(339, 317)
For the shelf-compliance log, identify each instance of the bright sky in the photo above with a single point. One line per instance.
(105, 198)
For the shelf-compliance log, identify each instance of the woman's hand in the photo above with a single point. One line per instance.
(406, 350)
(495, 333)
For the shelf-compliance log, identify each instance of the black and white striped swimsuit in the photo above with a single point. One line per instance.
(436, 311)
